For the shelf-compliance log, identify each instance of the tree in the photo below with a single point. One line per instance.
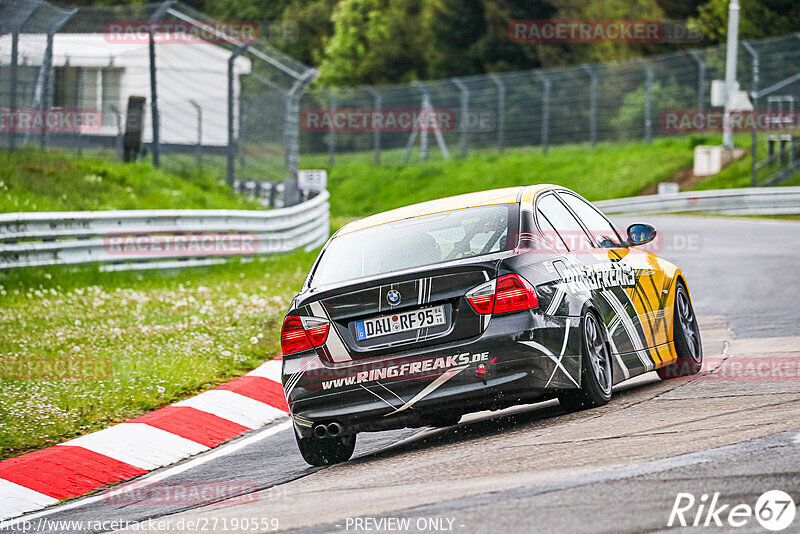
(466, 38)
(374, 42)
(314, 22)
(570, 54)
(757, 18)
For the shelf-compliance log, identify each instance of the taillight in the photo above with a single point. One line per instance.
(303, 333)
(316, 329)
(514, 293)
(481, 298)
(505, 294)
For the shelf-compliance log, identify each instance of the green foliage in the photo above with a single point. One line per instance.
(757, 18)
(696, 140)
(356, 42)
(369, 46)
(631, 115)
(465, 38)
(554, 55)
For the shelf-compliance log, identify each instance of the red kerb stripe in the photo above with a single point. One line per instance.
(65, 471)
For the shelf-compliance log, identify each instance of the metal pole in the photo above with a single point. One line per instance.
(463, 125)
(81, 85)
(231, 166)
(199, 149)
(701, 78)
(156, 148)
(545, 109)
(377, 103)
(423, 134)
(648, 101)
(429, 122)
(287, 126)
(12, 97)
(753, 151)
(241, 145)
(156, 141)
(754, 82)
(118, 140)
(501, 110)
(592, 104)
(754, 99)
(47, 92)
(332, 130)
(730, 70)
(47, 89)
(291, 192)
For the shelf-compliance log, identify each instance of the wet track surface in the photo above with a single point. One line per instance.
(611, 469)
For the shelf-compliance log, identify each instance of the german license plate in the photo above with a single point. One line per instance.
(400, 322)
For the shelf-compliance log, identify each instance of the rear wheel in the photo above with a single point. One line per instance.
(326, 451)
(687, 339)
(596, 378)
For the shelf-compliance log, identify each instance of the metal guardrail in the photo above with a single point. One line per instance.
(752, 201)
(151, 239)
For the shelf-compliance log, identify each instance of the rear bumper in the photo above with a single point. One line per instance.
(520, 357)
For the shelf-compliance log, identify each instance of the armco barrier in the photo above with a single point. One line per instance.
(752, 201)
(158, 238)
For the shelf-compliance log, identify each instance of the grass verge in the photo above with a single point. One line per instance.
(32, 180)
(359, 188)
(163, 336)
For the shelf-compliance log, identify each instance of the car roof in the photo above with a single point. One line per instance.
(506, 195)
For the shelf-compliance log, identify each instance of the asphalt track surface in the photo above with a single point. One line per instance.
(618, 468)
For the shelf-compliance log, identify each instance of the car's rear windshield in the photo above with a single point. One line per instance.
(424, 240)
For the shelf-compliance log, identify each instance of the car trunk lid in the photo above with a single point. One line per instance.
(389, 309)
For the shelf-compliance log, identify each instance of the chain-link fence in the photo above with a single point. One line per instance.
(156, 80)
(232, 105)
(607, 102)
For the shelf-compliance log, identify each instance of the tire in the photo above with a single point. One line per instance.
(326, 451)
(596, 369)
(688, 346)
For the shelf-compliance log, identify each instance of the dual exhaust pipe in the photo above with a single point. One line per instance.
(331, 430)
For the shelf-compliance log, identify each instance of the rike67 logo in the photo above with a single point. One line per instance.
(774, 510)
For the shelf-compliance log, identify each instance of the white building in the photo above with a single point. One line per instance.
(92, 73)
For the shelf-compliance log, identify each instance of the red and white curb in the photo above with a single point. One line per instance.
(38, 479)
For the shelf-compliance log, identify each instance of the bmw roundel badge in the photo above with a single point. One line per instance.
(393, 296)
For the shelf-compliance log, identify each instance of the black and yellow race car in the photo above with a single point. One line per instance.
(418, 315)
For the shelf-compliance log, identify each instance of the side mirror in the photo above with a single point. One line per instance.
(640, 233)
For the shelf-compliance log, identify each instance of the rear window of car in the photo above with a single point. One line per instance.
(416, 242)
